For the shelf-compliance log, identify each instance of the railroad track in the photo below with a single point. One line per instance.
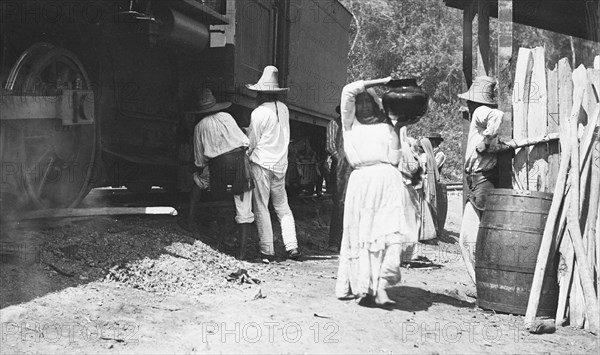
(454, 186)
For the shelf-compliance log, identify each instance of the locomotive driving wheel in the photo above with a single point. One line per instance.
(57, 160)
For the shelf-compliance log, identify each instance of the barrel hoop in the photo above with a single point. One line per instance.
(511, 288)
(514, 208)
(526, 193)
(513, 309)
(513, 228)
(510, 268)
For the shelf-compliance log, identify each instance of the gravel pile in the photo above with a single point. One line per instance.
(148, 253)
(151, 254)
(184, 268)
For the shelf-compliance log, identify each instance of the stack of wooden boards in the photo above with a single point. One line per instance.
(566, 102)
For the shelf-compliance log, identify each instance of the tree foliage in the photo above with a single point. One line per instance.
(415, 39)
(422, 39)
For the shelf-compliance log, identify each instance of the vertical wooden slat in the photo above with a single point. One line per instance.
(553, 112)
(483, 36)
(537, 123)
(593, 90)
(565, 102)
(520, 105)
(537, 115)
(553, 118)
(565, 96)
(505, 86)
(468, 15)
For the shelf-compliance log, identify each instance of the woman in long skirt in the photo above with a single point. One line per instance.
(374, 218)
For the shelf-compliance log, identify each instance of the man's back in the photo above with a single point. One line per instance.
(215, 135)
(269, 134)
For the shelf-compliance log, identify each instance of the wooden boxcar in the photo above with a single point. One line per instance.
(94, 92)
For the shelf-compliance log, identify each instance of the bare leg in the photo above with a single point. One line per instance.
(389, 275)
(468, 237)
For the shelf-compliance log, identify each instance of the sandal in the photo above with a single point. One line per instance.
(266, 259)
(294, 254)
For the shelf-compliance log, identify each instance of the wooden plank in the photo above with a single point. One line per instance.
(565, 96)
(537, 123)
(597, 62)
(593, 89)
(468, 15)
(553, 123)
(576, 300)
(538, 168)
(537, 113)
(583, 282)
(520, 105)
(553, 112)
(98, 211)
(483, 37)
(504, 71)
(521, 92)
(565, 275)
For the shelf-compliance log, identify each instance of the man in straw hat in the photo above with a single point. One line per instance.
(480, 165)
(220, 144)
(269, 134)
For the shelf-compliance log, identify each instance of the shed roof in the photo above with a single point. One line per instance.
(578, 18)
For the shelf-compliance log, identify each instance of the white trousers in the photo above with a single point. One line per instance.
(271, 185)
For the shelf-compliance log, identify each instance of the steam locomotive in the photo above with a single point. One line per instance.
(95, 92)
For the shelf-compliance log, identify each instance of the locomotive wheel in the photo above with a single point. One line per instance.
(57, 160)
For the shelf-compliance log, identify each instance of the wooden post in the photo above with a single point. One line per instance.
(505, 86)
(483, 36)
(468, 15)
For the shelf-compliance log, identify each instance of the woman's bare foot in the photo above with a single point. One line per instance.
(382, 298)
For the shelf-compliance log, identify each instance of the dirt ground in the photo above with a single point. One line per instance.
(142, 284)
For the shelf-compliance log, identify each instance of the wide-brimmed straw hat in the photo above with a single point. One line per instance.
(206, 102)
(481, 91)
(435, 136)
(268, 82)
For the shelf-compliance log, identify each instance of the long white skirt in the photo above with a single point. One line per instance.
(376, 223)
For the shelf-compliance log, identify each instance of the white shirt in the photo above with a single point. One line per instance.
(215, 135)
(483, 128)
(269, 134)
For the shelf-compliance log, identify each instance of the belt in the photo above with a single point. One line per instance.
(478, 177)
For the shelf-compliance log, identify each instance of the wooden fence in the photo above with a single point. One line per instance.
(564, 101)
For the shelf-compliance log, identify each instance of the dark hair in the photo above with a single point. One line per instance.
(262, 97)
(378, 115)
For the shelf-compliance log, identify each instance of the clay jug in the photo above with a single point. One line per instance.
(405, 101)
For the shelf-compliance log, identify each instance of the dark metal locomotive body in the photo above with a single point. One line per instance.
(94, 92)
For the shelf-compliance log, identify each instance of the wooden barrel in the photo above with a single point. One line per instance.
(508, 243)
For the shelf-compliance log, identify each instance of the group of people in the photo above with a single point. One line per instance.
(254, 163)
(377, 210)
(431, 159)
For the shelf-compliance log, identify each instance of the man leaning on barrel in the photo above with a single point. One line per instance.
(480, 164)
